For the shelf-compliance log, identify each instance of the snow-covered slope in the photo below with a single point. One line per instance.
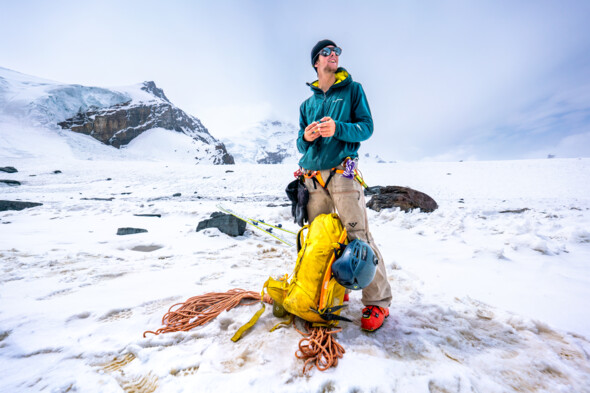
(114, 116)
(490, 290)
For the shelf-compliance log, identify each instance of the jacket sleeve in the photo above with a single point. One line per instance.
(361, 126)
(302, 144)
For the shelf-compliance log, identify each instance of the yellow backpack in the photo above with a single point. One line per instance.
(312, 294)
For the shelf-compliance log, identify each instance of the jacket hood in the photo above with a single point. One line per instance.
(342, 79)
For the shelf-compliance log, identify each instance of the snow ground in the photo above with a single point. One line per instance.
(484, 301)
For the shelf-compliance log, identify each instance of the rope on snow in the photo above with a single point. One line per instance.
(199, 310)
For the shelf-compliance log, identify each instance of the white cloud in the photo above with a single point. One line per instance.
(230, 120)
(571, 146)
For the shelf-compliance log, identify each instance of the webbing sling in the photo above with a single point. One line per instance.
(254, 318)
(248, 325)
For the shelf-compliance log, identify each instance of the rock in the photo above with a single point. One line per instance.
(226, 223)
(17, 205)
(148, 215)
(130, 231)
(10, 182)
(8, 169)
(149, 248)
(177, 195)
(151, 87)
(405, 198)
(517, 211)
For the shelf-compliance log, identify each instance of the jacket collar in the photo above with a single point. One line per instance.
(343, 78)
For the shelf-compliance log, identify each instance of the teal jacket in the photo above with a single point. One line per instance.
(346, 103)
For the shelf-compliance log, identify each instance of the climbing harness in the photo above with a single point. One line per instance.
(350, 172)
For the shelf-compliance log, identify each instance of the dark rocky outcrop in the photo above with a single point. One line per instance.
(151, 87)
(17, 205)
(117, 125)
(130, 231)
(226, 223)
(405, 198)
(8, 169)
(276, 157)
(10, 182)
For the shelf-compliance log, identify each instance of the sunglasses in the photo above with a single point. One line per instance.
(327, 51)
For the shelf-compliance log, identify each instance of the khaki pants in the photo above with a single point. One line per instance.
(346, 196)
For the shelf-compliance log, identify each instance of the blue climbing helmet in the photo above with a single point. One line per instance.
(356, 267)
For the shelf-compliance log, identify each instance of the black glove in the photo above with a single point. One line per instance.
(299, 196)
(302, 199)
(291, 191)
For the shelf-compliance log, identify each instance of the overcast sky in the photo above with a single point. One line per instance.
(446, 80)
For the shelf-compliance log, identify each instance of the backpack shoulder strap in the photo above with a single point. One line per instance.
(300, 237)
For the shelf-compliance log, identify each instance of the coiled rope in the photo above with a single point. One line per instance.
(319, 348)
(199, 310)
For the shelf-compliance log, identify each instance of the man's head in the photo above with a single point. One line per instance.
(325, 51)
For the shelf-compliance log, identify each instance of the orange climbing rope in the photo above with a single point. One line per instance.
(199, 310)
(319, 346)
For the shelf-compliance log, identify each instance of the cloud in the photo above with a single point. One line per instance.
(571, 146)
(231, 120)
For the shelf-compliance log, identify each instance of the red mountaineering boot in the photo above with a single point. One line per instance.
(373, 317)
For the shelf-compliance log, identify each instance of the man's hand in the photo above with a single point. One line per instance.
(311, 132)
(327, 127)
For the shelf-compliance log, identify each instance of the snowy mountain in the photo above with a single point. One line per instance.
(273, 142)
(113, 116)
(268, 142)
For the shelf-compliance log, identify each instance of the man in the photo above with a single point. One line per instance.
(333, 122)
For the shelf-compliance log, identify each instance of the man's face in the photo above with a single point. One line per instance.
(327, 63)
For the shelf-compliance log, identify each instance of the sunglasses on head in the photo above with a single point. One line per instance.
(327, 51)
